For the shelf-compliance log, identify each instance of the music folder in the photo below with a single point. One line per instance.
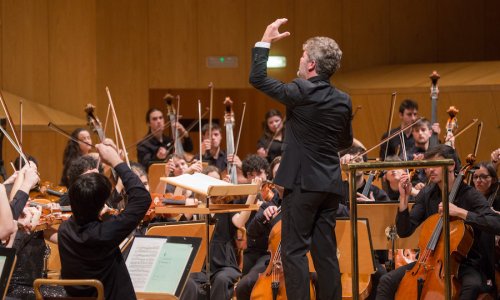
(159, 264)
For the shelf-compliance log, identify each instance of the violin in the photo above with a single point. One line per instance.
(267, 190)
(45, 215)
(426, 279)
(48, 190)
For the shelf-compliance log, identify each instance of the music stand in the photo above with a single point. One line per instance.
(382, 216)
(160, 265)
(7, 264)
(209, 187)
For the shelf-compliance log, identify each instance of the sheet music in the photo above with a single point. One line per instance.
(157, 266)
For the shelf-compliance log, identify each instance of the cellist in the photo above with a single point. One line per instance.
(469, 205)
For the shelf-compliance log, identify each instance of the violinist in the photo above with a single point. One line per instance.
(486, 182)
(211, 147)
(256, 255)
(374, 192)
(318, 126)
(391, 179)
(223, 263)
(469, 205)
(81, 165)
(408, 113)
(156, 148)
(88, 247)
(269, 144)
(74, 150)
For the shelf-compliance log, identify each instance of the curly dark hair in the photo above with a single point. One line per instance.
(78, 166)
(71, 152)
(271, 113)
(255, 163)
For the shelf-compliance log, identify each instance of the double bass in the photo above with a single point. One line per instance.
(426, 280)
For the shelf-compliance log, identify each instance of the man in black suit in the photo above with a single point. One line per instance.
(318, 126)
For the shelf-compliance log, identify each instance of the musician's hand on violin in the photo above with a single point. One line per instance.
(269, 212)
(436, 128)
(31, 178)
(419, 186)
(272, 33)
(418, 156)
(108, 155)
(262, 152)
(362, 197)
(450, 140)
(234, 159)
(206, 146)
(12, 178)
(161, 153)
(454, 211)
(195, 167)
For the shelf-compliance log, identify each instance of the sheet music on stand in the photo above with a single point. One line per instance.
(161, 264)
(209, 186)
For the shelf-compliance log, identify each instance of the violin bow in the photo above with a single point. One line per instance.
(356, 111)
(191, 126)
(64, 133)
(176, 131)
(117, 125)
(20, 128)
(391, 115)
(241, 126)
(388, 138)
(199, 127)
(16, 146)
(472, 122)
(9, 120)
(107, 118)
(211, 87)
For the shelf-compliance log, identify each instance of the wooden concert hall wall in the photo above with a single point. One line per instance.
(63, 53)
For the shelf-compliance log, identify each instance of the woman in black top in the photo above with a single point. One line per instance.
(269, 144)
(74, 150)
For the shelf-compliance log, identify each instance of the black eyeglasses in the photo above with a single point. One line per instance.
(482, 177)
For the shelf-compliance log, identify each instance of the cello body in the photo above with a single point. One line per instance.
(430, 265)
(273, 276)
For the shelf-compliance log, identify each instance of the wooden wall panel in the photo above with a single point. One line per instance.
(221, 28)
(122, 63)
(25, 68)
(72, 54)
(173, 44)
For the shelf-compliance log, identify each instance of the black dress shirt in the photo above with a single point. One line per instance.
(395, 143)
(220, 161)
(273, 144)
(146, 151)
(91, 250)
(479, 216)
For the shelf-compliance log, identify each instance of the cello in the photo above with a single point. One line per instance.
(426, 280)
(271, 283)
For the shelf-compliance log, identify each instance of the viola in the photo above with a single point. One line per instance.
(267, 191)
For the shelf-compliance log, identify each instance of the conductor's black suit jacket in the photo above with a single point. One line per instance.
(318, 125)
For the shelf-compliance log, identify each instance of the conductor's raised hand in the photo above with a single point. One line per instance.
(272, 33)
(108, 155)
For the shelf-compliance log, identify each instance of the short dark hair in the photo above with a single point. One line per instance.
(421, 123)
(79, 166)
(444, 151)
(210, 169)
(205, 127)
(29, 157)
(150, 111)
(254, 163)
(87, 196)
(354, 150)
(408, 104)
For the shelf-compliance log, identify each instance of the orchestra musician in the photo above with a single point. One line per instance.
(269, 144)
(7, 225)
(74, 150)
(211, 147)
(469, 205)
(256, 256)
(88, 247)
(318, 126)
(81, 165)
(156, 148)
